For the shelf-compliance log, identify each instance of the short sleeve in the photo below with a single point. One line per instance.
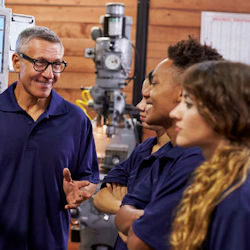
(230, 223)
(87, 167)
(155, 225)
(121, 173)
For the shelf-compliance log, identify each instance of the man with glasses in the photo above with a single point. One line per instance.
(43, 141)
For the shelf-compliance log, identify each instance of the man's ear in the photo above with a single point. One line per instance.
(16, 62)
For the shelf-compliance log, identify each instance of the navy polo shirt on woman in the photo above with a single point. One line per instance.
(159, 192)
(230, 221)
(127, 173)
(32, 158)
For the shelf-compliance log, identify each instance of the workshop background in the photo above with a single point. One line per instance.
(72, 20)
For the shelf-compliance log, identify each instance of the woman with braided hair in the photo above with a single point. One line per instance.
(214, 113)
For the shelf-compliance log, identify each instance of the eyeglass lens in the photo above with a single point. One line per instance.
(42, 65)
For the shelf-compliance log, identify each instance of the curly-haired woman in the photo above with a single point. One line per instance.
(214, 114)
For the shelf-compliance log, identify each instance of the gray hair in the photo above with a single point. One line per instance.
(36, 32)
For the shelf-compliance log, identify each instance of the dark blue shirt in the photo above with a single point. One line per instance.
(132, 168)
(32, 158)
(230, 222)
(125, 172)
(160, 192)
(145, 174)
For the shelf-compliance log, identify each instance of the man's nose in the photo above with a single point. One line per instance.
(48, 72)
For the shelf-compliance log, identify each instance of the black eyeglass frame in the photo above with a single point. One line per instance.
(22, 55)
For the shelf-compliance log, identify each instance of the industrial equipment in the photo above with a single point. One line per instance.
(114, 128)
(112, 56)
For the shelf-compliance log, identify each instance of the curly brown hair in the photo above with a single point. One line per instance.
(188, 52)
(221, 90)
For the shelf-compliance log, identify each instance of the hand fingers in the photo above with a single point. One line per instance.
(67, 175)
(84, 195)
(119, 191)
(123, 236)
(80, 200)
(124, 190)
(109, 187)
(81, 184)
(74, 203)
(70, 206)
(80, 197)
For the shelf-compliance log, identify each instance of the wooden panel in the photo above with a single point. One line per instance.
(128, 3)
(169, 17)
(75, 30)
(215, 5)
(79, 64)
(212, 5)
(72, 80)
(77, 14)
(152, 62)
(160, 38)
(12, 77)
(157, 49)
(69, 29)
(76, 46)
(171, 34)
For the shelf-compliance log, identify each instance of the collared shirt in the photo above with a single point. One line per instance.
(159, 192)
(230, 221)
(33, 155)
(141, 173)
(124, 173)
(129, 170)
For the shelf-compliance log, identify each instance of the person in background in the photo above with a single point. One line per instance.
(158, 191)
(214, 114)
(121, 177)
(44, 140)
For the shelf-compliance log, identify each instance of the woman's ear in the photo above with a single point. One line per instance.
(16, 62)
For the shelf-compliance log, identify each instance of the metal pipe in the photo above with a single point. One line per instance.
(141, 50)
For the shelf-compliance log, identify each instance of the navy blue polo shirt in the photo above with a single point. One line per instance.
(125, 172)
(32, 158)
(159, 191)
(230, 222)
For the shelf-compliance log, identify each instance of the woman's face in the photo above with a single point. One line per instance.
(142, 106)
(191, 127)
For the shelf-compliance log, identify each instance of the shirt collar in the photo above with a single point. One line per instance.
(8, 100)
(9, 103)
(174, 152)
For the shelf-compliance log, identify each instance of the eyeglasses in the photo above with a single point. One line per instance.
(41, 65)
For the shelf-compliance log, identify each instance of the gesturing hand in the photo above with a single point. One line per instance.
(74, 193)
